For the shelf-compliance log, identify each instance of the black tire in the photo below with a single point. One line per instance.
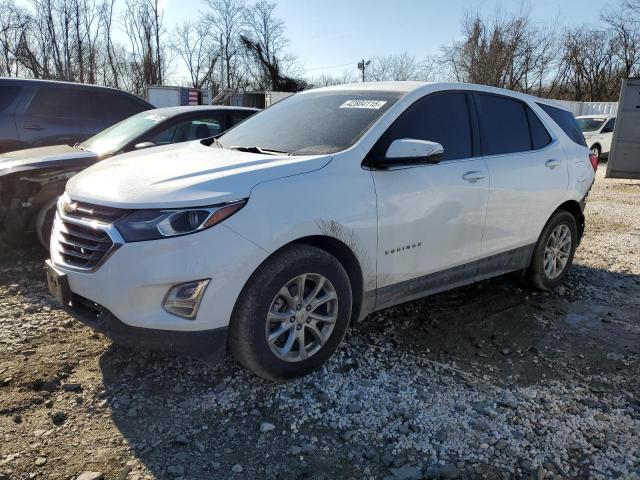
(44, 222)
(536, 274)
(595, 149)
(247, 338)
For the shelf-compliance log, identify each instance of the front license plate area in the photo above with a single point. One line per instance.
(58, 285)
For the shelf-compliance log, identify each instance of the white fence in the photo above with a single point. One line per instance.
(590, 108)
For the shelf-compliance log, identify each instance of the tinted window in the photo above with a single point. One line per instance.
(503, 125)
(566, 121)
(237, 117)
(115, 106)
(61, 103)
(194, 129)
(539, 135)
(311, 123)
(441, 118)
(7, 95)
(608, 127)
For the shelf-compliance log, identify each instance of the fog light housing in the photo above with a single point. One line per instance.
(183, 300)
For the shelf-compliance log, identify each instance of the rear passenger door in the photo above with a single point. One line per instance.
(529, 178)
(58, 115)
(430, 217)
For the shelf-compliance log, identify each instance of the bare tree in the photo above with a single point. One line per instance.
(507, 51)
(142, 22)
(624, 24)
(198, 52)
(225, 19)
(394, 67)
(14, 25)
(263, 32)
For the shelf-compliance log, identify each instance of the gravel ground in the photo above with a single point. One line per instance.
(487, 381)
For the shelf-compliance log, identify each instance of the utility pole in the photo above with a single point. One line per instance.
(362, 66)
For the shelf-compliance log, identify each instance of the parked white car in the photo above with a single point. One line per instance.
(315, 212)
(598, 132)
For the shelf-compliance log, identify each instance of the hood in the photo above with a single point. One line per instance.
(183, 175)
(45, 157)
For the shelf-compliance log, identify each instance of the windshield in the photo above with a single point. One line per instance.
(312, 123)
(589, 124)
(117, 136)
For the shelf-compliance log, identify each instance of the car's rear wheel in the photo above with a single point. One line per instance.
(553, 255)
(292, 314)
(596, 151)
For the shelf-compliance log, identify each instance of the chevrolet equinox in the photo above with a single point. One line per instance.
(327, 206)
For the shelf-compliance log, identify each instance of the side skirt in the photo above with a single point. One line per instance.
(501, 263)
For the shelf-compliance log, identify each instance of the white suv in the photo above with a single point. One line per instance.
(598, 132)
(325, 207)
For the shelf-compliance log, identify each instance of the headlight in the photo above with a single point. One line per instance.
(153, 224)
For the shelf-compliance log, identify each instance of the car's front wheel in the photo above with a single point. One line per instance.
(292, 314)
(553, 255)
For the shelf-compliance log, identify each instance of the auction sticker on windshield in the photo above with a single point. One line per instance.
(371, 104)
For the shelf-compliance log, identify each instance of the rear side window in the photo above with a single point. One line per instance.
(539, 135)
(439, 117)
(504, 125)
(566, 121)
(116, 106)
(7, 96)
(61, 103)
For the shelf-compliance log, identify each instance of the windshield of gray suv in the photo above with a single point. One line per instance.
(115, 137)
(313, 123)
(589, 124)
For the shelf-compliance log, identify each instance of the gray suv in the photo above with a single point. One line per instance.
(36, 113)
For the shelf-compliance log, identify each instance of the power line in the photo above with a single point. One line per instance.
(328, 66)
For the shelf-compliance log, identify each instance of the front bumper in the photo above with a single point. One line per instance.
(205, 345)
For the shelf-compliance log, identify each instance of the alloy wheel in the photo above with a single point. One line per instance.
(301, 317)
(557, 251)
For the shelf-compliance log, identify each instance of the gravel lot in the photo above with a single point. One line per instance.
(487, 381)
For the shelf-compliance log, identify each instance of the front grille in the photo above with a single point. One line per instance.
(82, 246)
(87, 211)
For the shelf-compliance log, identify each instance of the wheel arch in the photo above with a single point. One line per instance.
(573, 207)
(346, 257)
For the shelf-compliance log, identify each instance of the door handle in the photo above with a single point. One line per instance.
(553, 163)
(473, 176)
(33, 127)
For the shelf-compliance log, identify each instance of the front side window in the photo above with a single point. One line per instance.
(194, 129)
(504, 126)
(608, 127)
(117, 136)
(440, 117)
(237, 117)
(62, 103)
(312, 123)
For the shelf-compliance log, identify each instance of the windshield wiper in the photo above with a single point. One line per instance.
(78, 146)
(256, 149)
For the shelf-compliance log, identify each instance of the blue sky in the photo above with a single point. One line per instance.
(335, 32)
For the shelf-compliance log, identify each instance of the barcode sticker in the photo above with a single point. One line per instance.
(370, 104)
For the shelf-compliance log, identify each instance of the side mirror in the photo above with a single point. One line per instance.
(409, 151)
(140, 146)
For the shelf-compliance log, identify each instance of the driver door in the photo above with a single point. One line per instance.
(430, 217)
